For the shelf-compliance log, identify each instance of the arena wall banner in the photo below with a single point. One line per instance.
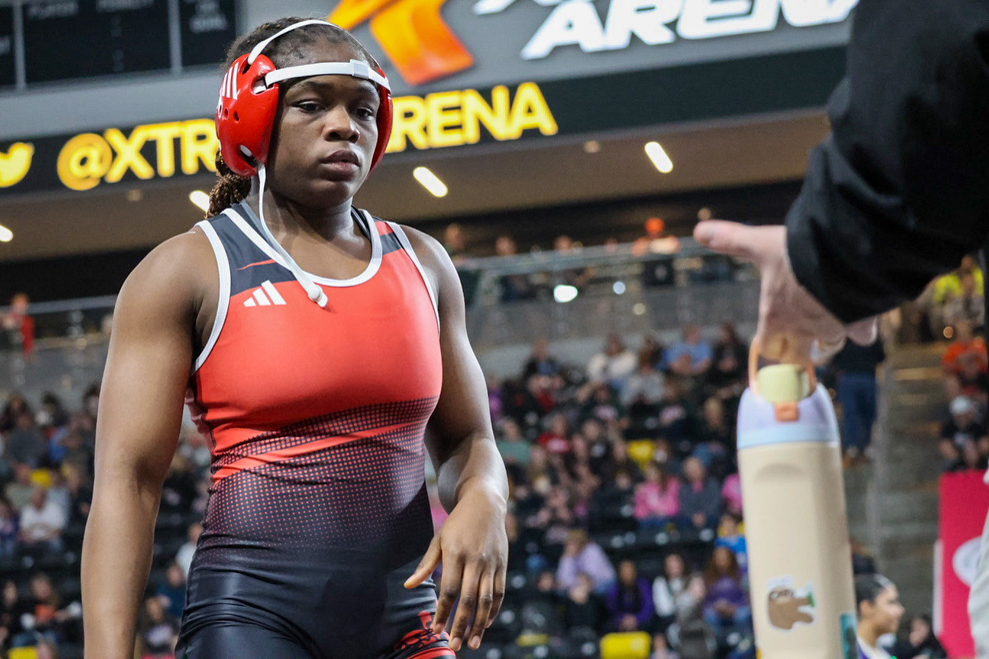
(964, 502)
(458, 118)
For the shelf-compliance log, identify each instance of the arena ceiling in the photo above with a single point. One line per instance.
(481, 180)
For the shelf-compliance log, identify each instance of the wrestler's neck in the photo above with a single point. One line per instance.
(868, 635)
(286, 218)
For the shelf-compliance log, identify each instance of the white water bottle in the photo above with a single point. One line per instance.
(800, 570)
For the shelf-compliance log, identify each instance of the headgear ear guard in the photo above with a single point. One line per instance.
(245, 114)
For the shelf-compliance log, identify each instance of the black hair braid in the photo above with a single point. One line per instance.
(287, 49)
(228, 190)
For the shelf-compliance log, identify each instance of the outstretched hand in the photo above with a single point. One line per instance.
(793, 325)
(473, 547)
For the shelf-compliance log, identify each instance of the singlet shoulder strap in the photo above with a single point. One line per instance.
(223, 299)
(403, 240)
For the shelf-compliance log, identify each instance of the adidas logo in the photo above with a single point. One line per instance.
(265, 296)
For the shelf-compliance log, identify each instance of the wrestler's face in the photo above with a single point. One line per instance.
(325, 133)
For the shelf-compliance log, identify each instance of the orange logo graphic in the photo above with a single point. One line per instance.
(412, 33)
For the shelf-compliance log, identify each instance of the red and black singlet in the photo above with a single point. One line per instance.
(315, 417)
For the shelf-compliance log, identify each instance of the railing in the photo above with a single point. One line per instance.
(584, 293)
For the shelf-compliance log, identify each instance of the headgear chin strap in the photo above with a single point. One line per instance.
(245, 114)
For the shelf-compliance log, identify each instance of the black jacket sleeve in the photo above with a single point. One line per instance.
(899, 191)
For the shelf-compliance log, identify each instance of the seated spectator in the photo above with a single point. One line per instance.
(46, 617)
(667, 588)
(540, 476)
(726, 606)
(42, 523)
(644, 388)
(730, 535)
(715, 443)
(8, 529)
(727, 377)
(920, 641)
(629, 600)
(967, 306)
(12, 607)
(657, 499)
(555, 439)
(513, 447)
(600, 402)
(581, 554)
(731, 494)
(540, 362)
(690, 357)
(18, 492)
(15, 405)
(495, 405)
(690, 634)
(157, 630)
(676, 421)
(188, 549)
(964, 426)
(700, 497)
(583, 609)
(598, 447)
(863, 561)
(613, 365)
(652, 349)
(170, 591)
(26, 443)
(578, 277)
(556, 518)
(972, 377)
(661, 648)
(965, 341)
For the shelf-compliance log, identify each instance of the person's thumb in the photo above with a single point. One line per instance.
(725, 237)
(426, 566)
(864, 332)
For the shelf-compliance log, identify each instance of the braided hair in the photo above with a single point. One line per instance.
(287, 50)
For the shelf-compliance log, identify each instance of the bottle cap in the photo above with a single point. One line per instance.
(783, 383)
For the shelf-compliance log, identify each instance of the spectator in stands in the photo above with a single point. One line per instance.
(972, 377)
(700, 497)
(657, 499)
(715, 444)
(692, 637)
(863, 562)
(730, 535)
(613, 365)
(727, 377)
(581, 554)
(514, 286)
(920, 642)
(514, 449)
(455, 244)
(15, 406)
(555, 518)
(602, 405)
(692, 356)
(644, 387)
(667, 589)
(17, 325)
(726, 605)
(555, 439)
(9, 529)
(661, 648)
(157, 630)
(854, 368)
(170, 590)
(629, 600)
(18, 492)
(540, 475)
(964, 342)
(576, 474)
(879, 612)
(598, 447)
(584, 610)
(80, 493)
(564, 245)
(655, 240)
(963, 426)
(42, 522)
(47, 617)
(968, 306)
(540, 361)
(676, 421)
(731, 494)
(185, 553)
(26, 443)
(12, 607)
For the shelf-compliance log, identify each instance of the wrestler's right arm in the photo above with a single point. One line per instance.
(140, 412)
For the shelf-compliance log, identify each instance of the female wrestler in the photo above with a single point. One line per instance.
(320, 342)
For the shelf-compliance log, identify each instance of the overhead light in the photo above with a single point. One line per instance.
(6, 235)
(430, 181)
(618, 287)
(134, 194)
(564, 293)
(592, 146)
(659, 157)
(200, 199)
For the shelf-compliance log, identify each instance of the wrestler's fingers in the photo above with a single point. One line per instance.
(453, 569)
(726, 237)
(427, 565)
(466, 608)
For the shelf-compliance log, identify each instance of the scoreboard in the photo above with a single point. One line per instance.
(43, 41)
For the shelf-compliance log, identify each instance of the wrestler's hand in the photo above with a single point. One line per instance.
(473, 547)
(790, 318)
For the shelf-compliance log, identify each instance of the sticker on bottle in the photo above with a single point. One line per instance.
(786, 606)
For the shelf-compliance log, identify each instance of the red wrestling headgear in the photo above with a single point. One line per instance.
(245, 114)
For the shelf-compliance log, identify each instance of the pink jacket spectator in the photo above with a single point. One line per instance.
(651, 501)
